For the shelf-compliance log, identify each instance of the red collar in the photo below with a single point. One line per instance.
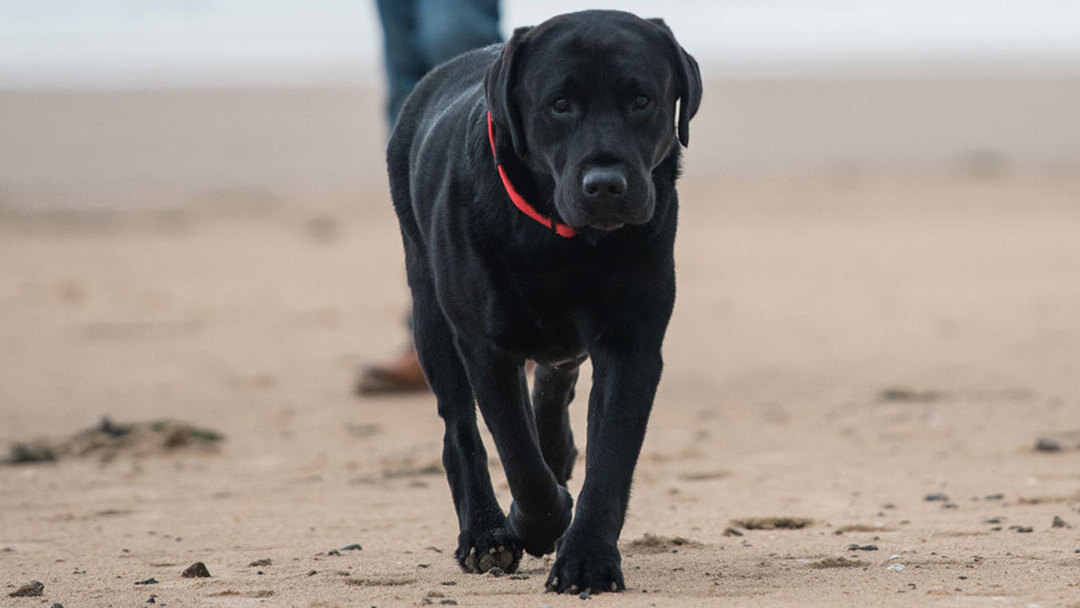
(518, 200)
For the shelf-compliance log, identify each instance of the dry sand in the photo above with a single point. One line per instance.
(842, 349)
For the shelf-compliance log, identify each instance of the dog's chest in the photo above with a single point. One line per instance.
(531, 316)
(540, 325)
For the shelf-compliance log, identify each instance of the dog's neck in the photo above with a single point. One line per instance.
(519, 201)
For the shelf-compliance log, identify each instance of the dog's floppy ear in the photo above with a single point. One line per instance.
(689, 82)
(498, 87)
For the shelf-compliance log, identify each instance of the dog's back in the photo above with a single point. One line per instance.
(439, 110)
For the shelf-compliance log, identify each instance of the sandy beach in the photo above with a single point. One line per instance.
(859, 371)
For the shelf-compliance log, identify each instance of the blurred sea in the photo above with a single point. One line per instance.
(110, 43)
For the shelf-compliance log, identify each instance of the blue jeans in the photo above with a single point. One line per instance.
(420, 34)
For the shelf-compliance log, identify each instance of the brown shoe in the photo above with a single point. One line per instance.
(402, 375)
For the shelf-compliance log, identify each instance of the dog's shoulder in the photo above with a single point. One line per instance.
(450, 86)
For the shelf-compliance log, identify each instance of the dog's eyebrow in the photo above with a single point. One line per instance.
(566, 85)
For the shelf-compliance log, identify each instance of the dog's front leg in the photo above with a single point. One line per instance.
(483, 542)
(625, 377)
(541, 510)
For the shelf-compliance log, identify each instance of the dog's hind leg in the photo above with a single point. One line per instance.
(484, 541)
(542, 508)
(553, 390)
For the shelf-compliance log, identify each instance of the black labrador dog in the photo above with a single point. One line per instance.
(535, 186)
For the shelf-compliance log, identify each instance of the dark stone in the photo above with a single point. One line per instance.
(31, 589)
(27, 453)
(196, 570)
(1046, 444)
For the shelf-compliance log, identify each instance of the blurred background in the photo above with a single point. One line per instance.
(136, 103)
(878, 299)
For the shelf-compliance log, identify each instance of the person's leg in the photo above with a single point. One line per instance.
(405, 64)
(448, 28)
(418, 35)
(404, 58)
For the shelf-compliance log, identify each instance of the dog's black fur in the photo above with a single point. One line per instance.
(584, 113)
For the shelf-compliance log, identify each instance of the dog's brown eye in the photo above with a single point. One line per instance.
(640, 102)
(561, 105)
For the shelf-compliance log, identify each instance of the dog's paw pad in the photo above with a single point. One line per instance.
(498, 557)
(488, 551)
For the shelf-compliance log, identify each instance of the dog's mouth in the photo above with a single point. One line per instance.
(633, 206)
(607, 225)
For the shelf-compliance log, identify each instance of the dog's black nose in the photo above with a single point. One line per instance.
(603, 183)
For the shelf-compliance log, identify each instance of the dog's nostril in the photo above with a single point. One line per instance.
(603, 181)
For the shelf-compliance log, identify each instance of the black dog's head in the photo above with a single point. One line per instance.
(589, 99)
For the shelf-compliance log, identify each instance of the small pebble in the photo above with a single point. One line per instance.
(584, 595)
(855, 547)
(448, 602)
(496, 572)
(1058, 523)
(1046, 444)
(938, 496)
(196, 570)
(729, 531)
(352, 547)
(333, 552)
(260, 562)
(895, 567)
(149, 581)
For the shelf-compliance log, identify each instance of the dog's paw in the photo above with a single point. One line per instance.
(586, 564)
(537, 534)
(481, 550)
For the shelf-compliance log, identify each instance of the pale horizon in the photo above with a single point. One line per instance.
(53, 43)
